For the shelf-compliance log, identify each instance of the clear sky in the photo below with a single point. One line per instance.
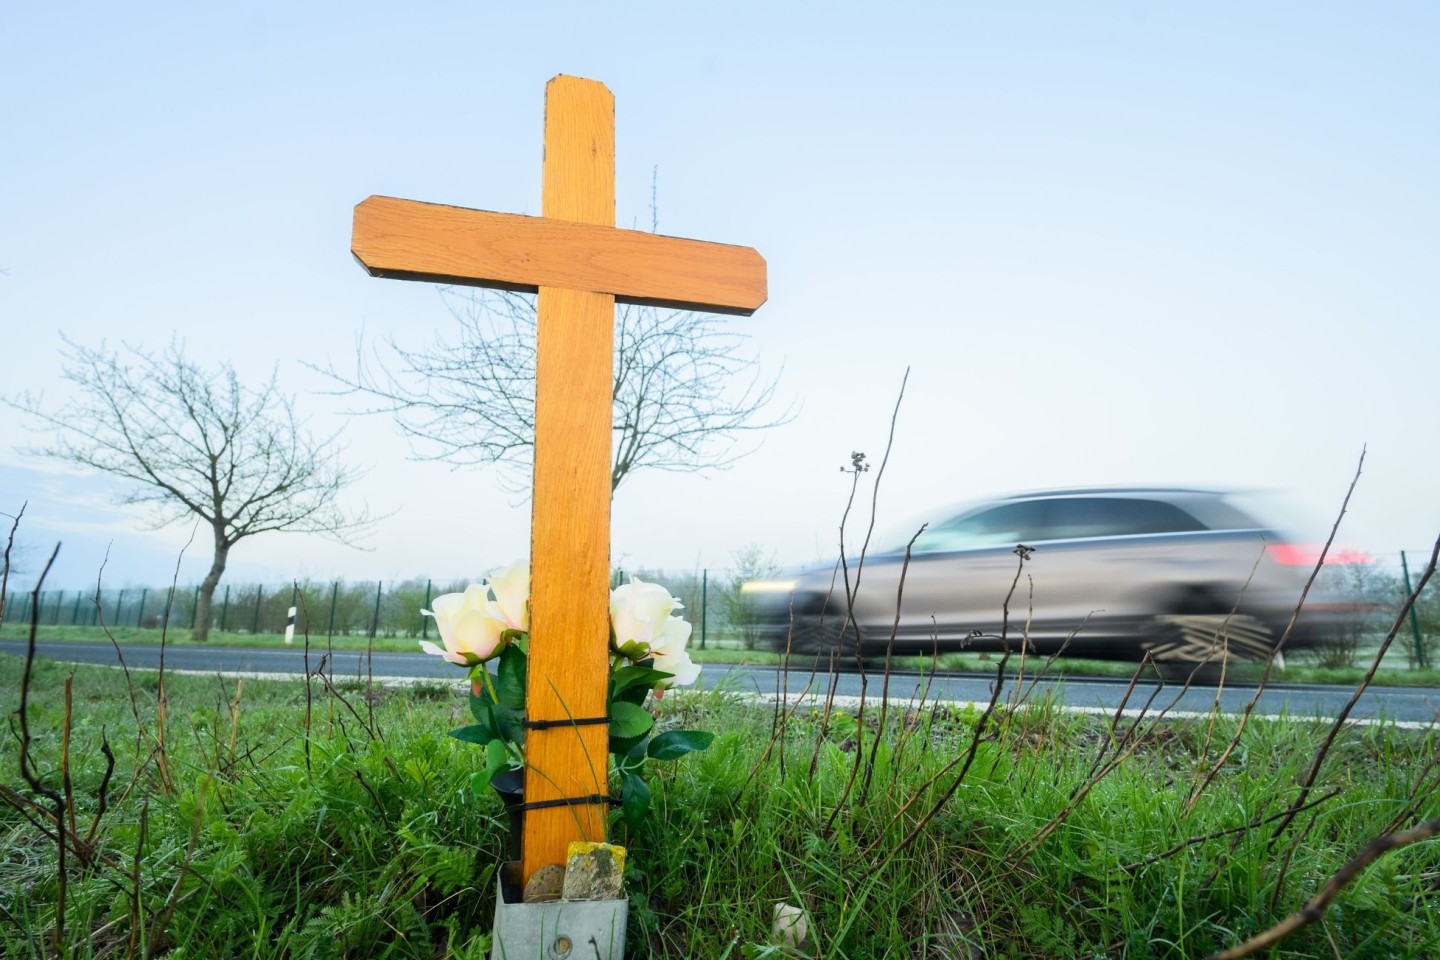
(1113, 242)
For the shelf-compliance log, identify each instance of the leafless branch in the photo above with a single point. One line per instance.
(192, 442)
(1214, 769)
(686, 389)
(1307, 783)
(1315, 908)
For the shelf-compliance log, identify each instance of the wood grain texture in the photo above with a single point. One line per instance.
(570, 521)
(411, 240)
(570, 571)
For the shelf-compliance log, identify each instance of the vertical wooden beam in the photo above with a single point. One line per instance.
(570, 524)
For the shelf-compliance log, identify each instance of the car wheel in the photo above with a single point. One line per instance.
(812, 638)
(1195, 647)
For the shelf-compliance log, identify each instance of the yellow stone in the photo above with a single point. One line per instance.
(593, 871)
(581, 847)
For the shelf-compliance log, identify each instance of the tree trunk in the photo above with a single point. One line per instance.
(201, 631)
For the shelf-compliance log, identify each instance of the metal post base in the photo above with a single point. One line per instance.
(558, 930)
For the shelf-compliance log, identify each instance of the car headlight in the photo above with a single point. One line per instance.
(767, 586)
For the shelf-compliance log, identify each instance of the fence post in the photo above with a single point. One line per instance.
(195, 608)
(424, 620)
(255, 621)
(140, 614)
(75, 610)
(119, 605)
(224, 608)
(1414, 621)
(375, 620)
(334, 594)
(704, 601)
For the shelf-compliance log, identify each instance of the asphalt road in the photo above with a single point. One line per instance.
(1407, 705)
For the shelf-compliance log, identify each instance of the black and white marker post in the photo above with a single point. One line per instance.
(290, 619)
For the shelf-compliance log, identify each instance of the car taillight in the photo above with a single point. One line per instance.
(1306, 555)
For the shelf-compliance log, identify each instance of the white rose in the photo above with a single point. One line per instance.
(468, 627)
(679, 663)
(511, 587)
(670, 655)
(639, 612)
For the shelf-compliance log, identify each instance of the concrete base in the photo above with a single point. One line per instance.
(559, 930)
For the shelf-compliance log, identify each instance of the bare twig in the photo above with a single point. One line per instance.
(1314, 909)
(28, 769)
(850, 591)
(889, 655)
(1245, 714)
(1308, 781)
(965, 760)
(1257, 821)
(5, 560)
(309, 697)
(137, 914)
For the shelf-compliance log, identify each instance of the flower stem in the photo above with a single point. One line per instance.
(489, 686)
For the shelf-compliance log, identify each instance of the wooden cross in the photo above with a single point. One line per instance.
(581, 265)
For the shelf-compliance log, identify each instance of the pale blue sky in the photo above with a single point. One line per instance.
(1115, 242)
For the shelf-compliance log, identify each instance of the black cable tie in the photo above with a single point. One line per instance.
(568, 722)
(594, 798)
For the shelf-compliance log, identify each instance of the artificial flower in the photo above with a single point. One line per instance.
(639, 612)
(511, 589)
(470, 630)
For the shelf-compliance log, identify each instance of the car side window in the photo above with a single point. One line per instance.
(1084, 517)
(1004, 525)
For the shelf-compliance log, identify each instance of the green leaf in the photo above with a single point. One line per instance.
(674, 744)
(479, 707)
(509, 723)
(496, 759)
(635, 676)
(475, 733)
(629, 753)
(480, 783)
(624, 746)
(510, 677)
(628, 720)
(634, 801)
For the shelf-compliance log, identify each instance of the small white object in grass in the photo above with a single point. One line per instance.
(790, 928)
(290, 627)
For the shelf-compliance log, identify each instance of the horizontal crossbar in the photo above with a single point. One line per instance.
(411, 240)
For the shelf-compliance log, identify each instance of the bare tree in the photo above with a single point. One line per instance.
(685, 389)
(198, 443)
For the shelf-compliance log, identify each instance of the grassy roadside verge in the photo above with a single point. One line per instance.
(265, 819)
(1299, 669)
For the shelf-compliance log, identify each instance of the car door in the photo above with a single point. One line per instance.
(1103, 564)
(959, 575)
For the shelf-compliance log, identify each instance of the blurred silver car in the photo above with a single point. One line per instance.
(1191, 576)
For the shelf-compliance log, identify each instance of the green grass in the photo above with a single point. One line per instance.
(257, 833)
